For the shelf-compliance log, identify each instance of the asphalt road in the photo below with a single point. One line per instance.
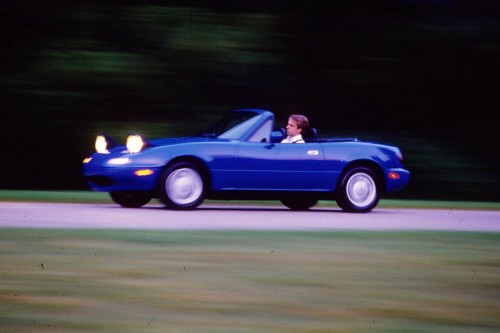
(234, 217)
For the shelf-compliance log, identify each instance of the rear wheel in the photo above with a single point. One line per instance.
(299, 203)
(181, 186)
(359, 190)
(131, 199)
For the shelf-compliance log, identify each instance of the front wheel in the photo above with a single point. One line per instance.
(181, 187)
(131, 199)
(359, 191)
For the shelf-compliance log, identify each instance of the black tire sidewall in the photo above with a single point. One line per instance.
(131, 199)
(299, 203)
(342, 198)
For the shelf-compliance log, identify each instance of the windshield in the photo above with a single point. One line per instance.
(232, 126)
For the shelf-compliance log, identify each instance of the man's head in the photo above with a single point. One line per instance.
(297, 124)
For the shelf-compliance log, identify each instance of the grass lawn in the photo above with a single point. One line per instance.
(243, 281)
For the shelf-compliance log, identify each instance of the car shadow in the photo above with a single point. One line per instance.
(245, 208)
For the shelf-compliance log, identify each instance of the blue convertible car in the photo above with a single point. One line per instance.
(241, 157)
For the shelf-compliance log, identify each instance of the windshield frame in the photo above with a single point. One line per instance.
(234, 126)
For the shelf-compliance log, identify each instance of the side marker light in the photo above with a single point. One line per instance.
(393, 175)
(145, 172)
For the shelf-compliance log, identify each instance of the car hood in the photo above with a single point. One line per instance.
(164, 142)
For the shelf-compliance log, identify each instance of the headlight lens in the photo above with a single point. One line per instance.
(101, 144)
(134, 143)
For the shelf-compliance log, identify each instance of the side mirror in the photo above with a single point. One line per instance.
(277, 136)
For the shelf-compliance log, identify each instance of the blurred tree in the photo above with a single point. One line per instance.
(406, 72)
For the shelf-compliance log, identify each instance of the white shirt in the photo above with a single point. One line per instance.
(293, 139)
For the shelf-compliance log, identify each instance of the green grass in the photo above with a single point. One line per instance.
(243, 281)
(54, 196)
(100, 197)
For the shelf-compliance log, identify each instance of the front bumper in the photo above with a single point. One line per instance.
(121, 180)
(103, 177)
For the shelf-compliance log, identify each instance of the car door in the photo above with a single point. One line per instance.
(278, 166)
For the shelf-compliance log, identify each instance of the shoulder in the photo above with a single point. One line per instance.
(298, 139)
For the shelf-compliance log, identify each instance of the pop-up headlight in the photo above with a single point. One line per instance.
(134, 143)
(103, 143)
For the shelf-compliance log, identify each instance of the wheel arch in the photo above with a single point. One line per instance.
(373, 166)
(195, 161)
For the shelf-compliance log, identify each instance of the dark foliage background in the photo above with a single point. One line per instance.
(422, 75)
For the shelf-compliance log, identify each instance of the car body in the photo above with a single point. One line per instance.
(241, 157)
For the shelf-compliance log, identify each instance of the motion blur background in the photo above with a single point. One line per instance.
(421, 75)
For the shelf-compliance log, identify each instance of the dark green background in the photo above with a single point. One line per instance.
(422, 75)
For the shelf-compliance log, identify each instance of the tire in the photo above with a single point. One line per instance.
(359, 191)
(299, 203)
(182, 187)
(131, 199)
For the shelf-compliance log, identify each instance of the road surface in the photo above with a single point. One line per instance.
(234, 217)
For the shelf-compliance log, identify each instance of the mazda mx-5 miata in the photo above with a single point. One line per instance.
(241, 157)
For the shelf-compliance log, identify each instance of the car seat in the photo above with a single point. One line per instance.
(310, 135)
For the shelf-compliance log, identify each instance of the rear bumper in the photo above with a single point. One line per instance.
(392, 184)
